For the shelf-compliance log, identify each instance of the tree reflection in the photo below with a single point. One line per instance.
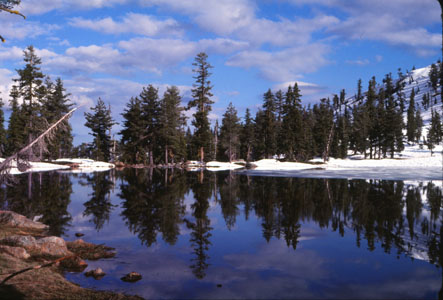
(382, 214)
(99, 205)
(45, 196)
(153, 203)
(200, 226)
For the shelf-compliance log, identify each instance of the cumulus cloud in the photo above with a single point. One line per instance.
(306, 88)
(30, 7)
(284, 65)
(397, 22)
(358, 62)
(131, 23)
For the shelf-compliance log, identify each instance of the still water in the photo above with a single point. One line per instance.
(227, 235)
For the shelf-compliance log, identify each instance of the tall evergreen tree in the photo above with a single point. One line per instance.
(100, 122)
(150, 114)
(172, 122)
(435, 133)
(419, 125)
(2, 130)
(247, 136)
(229, 133)
(16, 126)
(32, 91)
(411, 127)
(201, 94)
(291, 136)
(133, 150)
(55, 105)
(270, 123)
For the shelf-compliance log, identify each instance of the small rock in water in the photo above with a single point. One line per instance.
(219, 285)
(132, 277)
(97, 273)
(75, 264)
(79, 234)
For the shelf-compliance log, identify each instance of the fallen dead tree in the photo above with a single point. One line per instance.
(22, 157)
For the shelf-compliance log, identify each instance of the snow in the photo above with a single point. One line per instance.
(84, 166)
(222, 166)
(87, 164)
(273, 164)
(36, 167)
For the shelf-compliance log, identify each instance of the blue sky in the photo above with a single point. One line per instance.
(112, 48)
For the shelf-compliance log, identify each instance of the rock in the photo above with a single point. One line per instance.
(250, 165)
(47, 246)
(17, 252)
(219, 285)
(74, 264)
(132, 277)
(53, 246)
(90, 251)
(12, 219)
(96, 273)
(79, 234)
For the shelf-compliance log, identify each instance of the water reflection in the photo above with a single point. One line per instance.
(187, 210)
(99, 206)
(43, 196)
(401, 218)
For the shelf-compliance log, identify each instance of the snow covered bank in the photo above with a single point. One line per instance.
(221, 166)
(84, 165)
(412, 164)
(36, 167)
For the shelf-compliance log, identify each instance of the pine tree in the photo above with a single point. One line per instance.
(435, 132)
(16, 126)
(2, 130)
(100, 122)
(419, 125)
(201, 94)
(291, 137)
(55, 105)
(323, 116)
(269, 127)
(411, 128)
(31, 89)
(150, 113)
(172, 122)
(133, 150)
(247, 136)
(229, 133)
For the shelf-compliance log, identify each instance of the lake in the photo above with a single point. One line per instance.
(229, 235)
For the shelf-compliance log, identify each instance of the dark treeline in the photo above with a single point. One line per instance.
(370, 123)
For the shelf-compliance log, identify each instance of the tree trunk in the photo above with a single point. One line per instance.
(151, 158)
(166, 155)
(202, 154)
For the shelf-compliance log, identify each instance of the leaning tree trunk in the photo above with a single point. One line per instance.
(5, 166)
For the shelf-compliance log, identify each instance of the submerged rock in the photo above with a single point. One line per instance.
(96, 273)
(90, 251)
(74, 264)
(79, 234)
(132, 277)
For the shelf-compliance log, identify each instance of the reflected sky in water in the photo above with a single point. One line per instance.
(226, 235)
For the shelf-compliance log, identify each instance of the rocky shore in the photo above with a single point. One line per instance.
(25, 246)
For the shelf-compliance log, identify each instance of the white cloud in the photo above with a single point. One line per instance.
(30, 7)
(283, 65)
(131, 23)
(358, 62)
(396, 22)
(220, 16)
(306, 88)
